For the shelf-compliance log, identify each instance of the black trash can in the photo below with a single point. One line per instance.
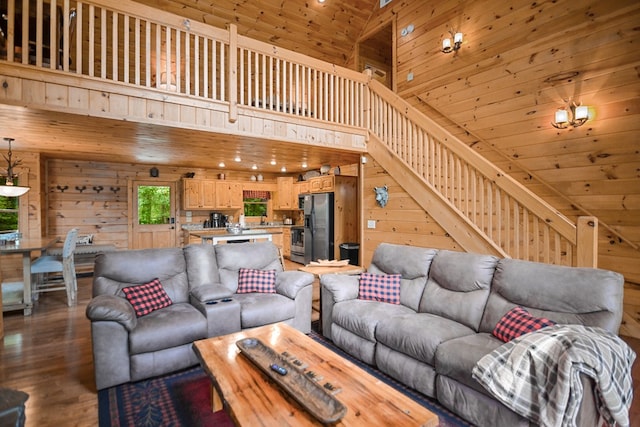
(350, 251)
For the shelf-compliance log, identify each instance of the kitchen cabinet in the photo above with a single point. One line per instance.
(277, 239)
(198, 194)
(228, 195)
(301, 187)
(322, 184)
(284, 195)
(286, 242)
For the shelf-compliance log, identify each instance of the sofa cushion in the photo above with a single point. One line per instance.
(457, 357)
(232, 257)
(258, 309)
(119, 269)
(411, 262)
(458, 286)
(202, 267)
(361, 317)
(380, 287)
(147, 297)
(568, 295)
(518, 321)
(418, 334)
(175, 325)
(252, 280)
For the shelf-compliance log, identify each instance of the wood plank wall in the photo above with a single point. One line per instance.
(402, 221)
(69, 199)
(519, 60)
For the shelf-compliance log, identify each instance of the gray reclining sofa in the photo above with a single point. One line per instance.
(201, 281)
(450, 302)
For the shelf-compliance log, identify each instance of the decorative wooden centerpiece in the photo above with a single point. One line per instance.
(308, 393)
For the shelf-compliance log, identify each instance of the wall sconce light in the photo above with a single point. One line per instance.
(457, 42)
(363, 160)
(574, 115)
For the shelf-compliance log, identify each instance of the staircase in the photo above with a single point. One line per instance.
(172, 66)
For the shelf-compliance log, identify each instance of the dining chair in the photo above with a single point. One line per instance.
(41, 267)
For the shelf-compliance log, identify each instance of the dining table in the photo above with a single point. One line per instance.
(25, 247)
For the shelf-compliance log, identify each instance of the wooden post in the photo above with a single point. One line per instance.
(233, 73)
(587, 241)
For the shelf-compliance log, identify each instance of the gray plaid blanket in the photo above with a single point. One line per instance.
(538, 374)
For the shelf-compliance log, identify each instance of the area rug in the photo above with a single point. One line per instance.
(184, 399)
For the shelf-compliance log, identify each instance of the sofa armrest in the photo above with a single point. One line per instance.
(342, 287)
(289, 283)
(112, 308)
(335, 288)
(210, 292)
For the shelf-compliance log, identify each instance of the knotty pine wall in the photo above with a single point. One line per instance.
(518, 63)
(402, 221)
(55, 205)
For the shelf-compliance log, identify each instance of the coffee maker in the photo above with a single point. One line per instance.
(218, 220)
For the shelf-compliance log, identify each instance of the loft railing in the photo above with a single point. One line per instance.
(118, 42)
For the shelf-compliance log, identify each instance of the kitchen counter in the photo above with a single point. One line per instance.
(195, 228)
(216, 236)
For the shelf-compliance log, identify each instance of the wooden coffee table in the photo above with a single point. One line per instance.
(251, 399)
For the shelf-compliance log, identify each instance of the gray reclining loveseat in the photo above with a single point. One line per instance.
(449, 305)
(201, 282)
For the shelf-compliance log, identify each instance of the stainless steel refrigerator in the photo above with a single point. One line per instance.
(318, 227)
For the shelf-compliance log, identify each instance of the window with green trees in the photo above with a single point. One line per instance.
(154, 204)
(255, 206)
(8, 213)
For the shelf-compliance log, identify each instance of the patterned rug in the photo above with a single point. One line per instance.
(184, 399)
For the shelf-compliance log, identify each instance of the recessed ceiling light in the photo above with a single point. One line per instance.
(237, 159)
(221, 165)
(273, 162)
(283, 169)
(254, 167)
(304, 165)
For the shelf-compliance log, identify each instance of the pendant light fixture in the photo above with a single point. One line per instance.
(9, 189)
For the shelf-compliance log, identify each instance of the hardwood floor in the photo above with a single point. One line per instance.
(48, 355)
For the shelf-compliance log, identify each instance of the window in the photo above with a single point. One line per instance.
(154, 204)
(256, 203)
(255, 207)
(9, 213)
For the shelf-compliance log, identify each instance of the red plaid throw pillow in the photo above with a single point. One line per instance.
(380, 287)
(250, 280)
(519, 321)
(148, 297)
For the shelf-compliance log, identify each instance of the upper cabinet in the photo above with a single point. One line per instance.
(198, 194)
(211, 194)
(285, 194)
(322, 184)
(228, 195)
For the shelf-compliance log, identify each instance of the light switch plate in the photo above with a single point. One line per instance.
(371, 223)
